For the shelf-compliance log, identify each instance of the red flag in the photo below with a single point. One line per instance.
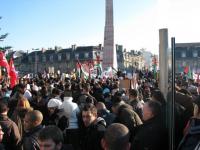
(13, 74)
(3, 62)
(186, 69)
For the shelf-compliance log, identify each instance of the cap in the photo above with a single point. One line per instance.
(54, 103)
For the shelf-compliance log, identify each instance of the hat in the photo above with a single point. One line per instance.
(54, 103)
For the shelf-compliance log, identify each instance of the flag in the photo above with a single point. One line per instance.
(99, 69)
(12, 73)
(3, 62)
(78, 68)
(186, 69)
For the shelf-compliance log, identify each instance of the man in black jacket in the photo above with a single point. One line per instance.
(152, 135)
(32, 127)
(93, 130)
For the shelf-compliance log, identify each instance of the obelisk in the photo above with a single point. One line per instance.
(109, 53)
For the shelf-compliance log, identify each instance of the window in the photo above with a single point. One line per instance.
(67, 56)
(51, 58)
(36, 58)
(76, 55)
(183, 54)
(43, 58)
(86, 55)
(59, 57)
(29, 59)
(195, 53)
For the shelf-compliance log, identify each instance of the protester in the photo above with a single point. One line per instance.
(152, 135)
(1, 138)
(32, 127)
(125, 115)
(116, 137)
(23, 106)
(12, 136)
(104, 113)
(94, 128)
(71, 111)
(135, 102)
(51, 138)
(192, 130)
(85, 97)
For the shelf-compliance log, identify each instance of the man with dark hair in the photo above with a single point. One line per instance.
(116, 137)
(85, 96)
(93, 130)
(135, 102)
(32, 127)
(152, 135)
(51, 138)
(12, 136)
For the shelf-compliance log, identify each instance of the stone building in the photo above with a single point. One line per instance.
(187, 54)
(63, 60)
(129, 60)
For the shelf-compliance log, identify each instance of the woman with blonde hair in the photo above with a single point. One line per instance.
(23, 106)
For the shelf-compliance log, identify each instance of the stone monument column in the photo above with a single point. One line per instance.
(109, 52)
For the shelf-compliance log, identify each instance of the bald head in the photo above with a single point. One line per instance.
(100, 106)
(35, 117)
(116, 137)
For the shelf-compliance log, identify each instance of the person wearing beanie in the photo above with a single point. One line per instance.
(55, 115)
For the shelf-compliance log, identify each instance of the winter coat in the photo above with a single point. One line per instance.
(129, 118)
(92, 135)
(137, 106)
(29, 140)
(18, 117)
(192, 137)
(70, 111)
(107, 116)
(11, 136)
(151, 135)
(58, 119)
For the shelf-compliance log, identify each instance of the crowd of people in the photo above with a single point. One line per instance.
(52, 113)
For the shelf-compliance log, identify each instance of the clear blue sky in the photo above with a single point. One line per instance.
(46, 23)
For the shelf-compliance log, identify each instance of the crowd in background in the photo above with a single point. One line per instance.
(52, 113)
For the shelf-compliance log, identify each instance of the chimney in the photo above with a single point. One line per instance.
(74, 47)
(100, 46)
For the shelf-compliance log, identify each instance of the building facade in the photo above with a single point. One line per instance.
(64, 60)
(187, 54)
(129, 60)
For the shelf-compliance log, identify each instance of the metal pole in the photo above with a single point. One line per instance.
(172, 114)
